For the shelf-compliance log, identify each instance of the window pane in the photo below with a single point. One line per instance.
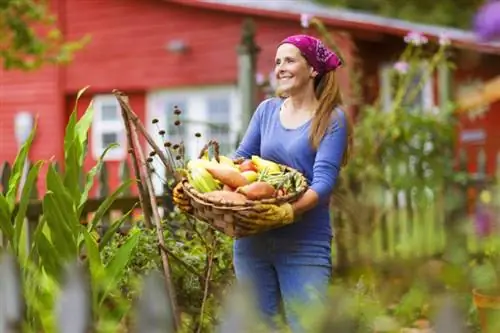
(219, 115)
(109, 112)
(175, 133)
(108, 139)
(414, 96)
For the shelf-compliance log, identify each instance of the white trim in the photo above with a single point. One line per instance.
(101, 127)
(386, 73)
(196, 114)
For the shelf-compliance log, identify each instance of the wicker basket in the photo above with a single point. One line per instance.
(225, 216)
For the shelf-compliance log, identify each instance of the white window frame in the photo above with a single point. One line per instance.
(386, 90)
(101, 127)
(196, 114)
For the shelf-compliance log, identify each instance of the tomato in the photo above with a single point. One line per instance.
(247, 165)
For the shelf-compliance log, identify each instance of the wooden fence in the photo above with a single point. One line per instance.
(407, 230)
(152, 312)
(121, 205)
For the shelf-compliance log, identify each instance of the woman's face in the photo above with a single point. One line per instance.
(292, 71)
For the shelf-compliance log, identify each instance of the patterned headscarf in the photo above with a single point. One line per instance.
(316, 53)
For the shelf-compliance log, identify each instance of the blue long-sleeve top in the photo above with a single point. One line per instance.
(269, 139)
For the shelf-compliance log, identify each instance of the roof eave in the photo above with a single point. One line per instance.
(357, 27)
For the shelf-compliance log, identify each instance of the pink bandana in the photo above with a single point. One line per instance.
(316, 53)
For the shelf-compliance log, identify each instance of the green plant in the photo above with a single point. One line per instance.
(60, 238)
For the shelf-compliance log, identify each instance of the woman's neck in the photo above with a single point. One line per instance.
(303, 102)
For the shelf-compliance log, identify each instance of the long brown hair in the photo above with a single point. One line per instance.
(328, 93)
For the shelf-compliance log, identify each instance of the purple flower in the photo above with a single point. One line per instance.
(401, 67)
(415, 38)
(487, 21)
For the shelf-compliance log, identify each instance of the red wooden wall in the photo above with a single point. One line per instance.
(128, 51)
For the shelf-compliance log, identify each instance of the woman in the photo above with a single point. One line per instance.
(303, 128)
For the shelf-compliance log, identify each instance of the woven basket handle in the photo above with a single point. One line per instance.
(212, 148)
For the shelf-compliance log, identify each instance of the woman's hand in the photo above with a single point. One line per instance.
(180, 198)
(269, 214)
(306, 202)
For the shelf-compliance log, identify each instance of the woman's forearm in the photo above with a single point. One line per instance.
(306, 202)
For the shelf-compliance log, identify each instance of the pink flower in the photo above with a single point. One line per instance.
(401, 67)
(415, 38)
(305, 19)
(443, 39)
(260, 79)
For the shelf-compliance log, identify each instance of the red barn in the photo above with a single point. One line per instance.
(165, 53)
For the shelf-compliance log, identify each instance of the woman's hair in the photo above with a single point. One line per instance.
(328, 93)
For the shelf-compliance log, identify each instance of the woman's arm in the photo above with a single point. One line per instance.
(326, 167)
(250, 143)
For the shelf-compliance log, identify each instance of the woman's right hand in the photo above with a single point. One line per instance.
(180, 198)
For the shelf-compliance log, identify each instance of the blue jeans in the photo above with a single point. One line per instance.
(282, 272)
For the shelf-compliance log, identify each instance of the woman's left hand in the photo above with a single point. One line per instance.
(269, 213)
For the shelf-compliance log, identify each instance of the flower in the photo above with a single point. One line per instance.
(415, 38)
(444, 40)
(401, 67)
(487, 21)
(260, 79)
(305, 19)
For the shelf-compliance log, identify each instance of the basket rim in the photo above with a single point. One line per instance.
(248, 204)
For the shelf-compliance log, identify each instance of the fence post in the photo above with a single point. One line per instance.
(247, 59)
(32, 216)
(5, 172)
(456, 210)
(12, 306)
(154, 312)
(103, 192)
(124, 174)
(73, 308)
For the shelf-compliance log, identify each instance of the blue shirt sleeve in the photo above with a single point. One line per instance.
(250, 143)
(329, 158)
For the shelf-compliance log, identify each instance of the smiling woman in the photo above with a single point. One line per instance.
(306, 129)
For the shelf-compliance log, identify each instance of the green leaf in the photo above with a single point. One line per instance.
(103, 208)
(116, 266)
(61, 235)
(74, 148)
(108, 236)
(97, 271)
(90, 179)
(5, 219)
(63, 199)
(18, 168)
(50, 257)
(24, 202)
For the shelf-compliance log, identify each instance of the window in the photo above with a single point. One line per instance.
(219, 115)
(108, 129)
(212, 111)
(176, 133)
(419, 95)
